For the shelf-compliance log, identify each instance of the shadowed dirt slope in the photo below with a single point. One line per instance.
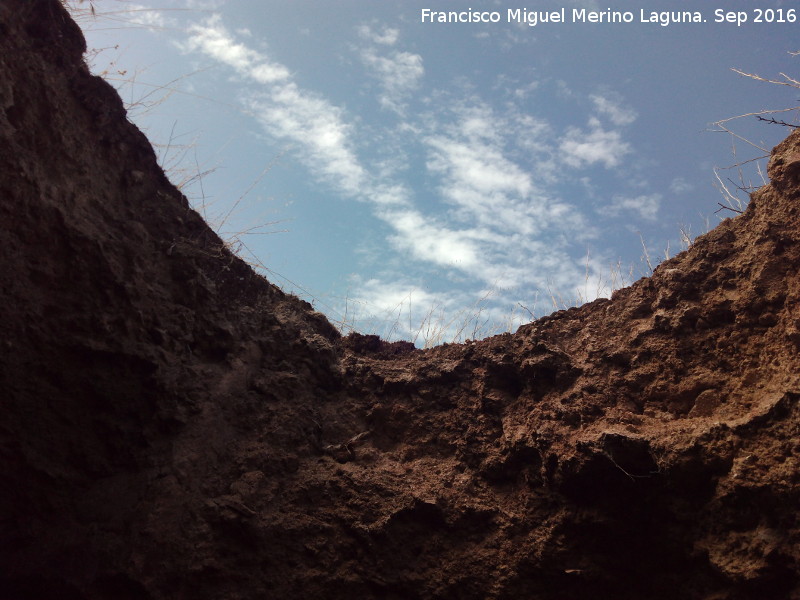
(174, 426)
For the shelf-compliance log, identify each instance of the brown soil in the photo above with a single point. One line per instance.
(174, 426)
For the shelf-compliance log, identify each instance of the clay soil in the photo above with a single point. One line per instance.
(174, 426)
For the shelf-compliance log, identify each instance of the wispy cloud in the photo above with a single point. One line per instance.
(679, 185)
(399, 73)
(293, 114)
(138, 14)
(490, 212)
(611, 106)
(129, 15)
(646, 206)
(284, 109)
(431, 242)
(387, 36)
(213, 39)
(597, 145)
(402, 309)
(502, 209)
(204, 4)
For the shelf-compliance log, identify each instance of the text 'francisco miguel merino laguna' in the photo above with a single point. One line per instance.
(578, 15)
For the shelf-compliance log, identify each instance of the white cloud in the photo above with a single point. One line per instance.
(479, 167)
(284, 109)
(611, 106)
(501, 210)
(430, 242)
(150, 18)
(137, 15)
(389, 308)
(679, 185)
(493, 233)
(646, 205)
(401, 309)
(500, 223)
(291, 113)
(491, 191)
(387, 37)
(499, 205)
(517, 35)
(598, 145)
(389, 195)
(563, 90)
(587, 4)
(213, 39)
(399, 73)
(204, 4)
(523, 92)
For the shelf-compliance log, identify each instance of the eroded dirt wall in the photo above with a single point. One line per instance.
(173, 426)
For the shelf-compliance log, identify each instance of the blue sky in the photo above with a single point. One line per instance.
(441, 181)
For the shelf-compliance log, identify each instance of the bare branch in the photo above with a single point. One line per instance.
(723, 207)
(789, 81)
(774, 121)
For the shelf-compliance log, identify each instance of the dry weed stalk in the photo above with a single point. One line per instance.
(732, 200)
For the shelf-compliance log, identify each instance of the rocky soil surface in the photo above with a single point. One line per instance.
(174, 426)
